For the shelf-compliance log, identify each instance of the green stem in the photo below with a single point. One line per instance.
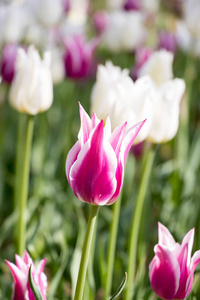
(112, 246)
(19, 160)
(85, 253)
(135, 226)
(23, 192)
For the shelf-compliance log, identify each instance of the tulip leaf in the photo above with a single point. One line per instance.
(33, 286)
(120, 288)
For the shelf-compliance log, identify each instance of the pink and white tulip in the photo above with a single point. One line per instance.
(79, 56)
(172, 268)
(20, 271)
(95, 164)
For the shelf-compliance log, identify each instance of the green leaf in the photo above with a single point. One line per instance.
(120, 288)
(34, 287)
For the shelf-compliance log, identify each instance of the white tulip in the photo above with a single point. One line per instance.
(125, 31)
(169, 92)
(165, 120)
(158, 66)
(49, 12)
(192, 16)
(12, 23)
(32, 90)
(115, 93)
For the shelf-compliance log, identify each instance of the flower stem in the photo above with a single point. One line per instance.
(85, 253)
(135, 226)
(23, 192)
(112, 246)
(19, 160)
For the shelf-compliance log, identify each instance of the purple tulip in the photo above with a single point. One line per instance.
(8, 61)
(95, 164)
(21, 288)
(132, 5)
(167, 40)
(78, 57)
(172, 268)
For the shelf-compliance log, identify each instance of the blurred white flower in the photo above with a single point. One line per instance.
(169, 92)
(115, 93)
(32, 89)
(12, 23)
(49, 12)
(125, 31)
(158, 66)
(57, 65)
(191, 10)
(165, 119)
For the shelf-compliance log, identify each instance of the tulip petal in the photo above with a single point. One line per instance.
(182, 260)
(86, 126)
(71, 158)
(129, 139)
(194, 262)
(116, 138)
(92, 176)
(189, 239)
(164, 273)
(164, 237)
(20, 282)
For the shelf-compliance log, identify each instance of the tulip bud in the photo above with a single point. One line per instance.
(20, 272)
(172, 268)
(32, 89)
(78, 57)
(95, 164)
(8, 61)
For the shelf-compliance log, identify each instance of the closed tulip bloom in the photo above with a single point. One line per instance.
(8, 61)
(120, 34)
(95, 164)
(79, 57)
(20, 271)
(169, 92)
(116, 94)
(32, 89)
(172, 268)
(158, 66)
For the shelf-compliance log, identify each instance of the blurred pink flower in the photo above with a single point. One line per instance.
(167, 41)
(95, 164)
(141, 57)
(79, 56)
(20, 271)
(8, 62)
(172, 268)
(100, 21)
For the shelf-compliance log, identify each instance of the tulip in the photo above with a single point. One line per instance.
(32, 89)
(158, 66)
(167, 40)
(172, 268)
(115, 93)
(168, 95)
(8, 61)
(78, 57)
(132, 5)
(120, 34)
(20, 271)
(95, 164)
(100, 21)
(49, 13)
(141, 57)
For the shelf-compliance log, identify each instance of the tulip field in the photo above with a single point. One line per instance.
(99, 150)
